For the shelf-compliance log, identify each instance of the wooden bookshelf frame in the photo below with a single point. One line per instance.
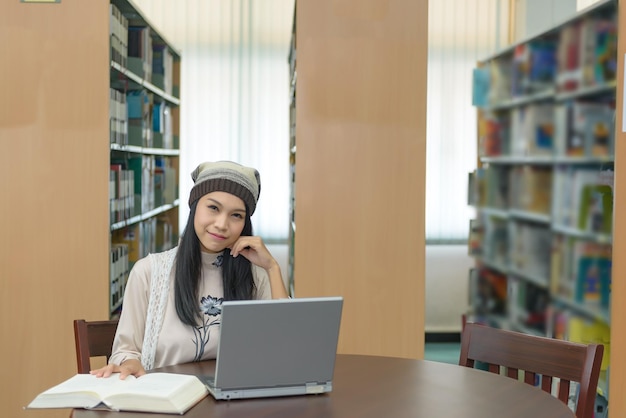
(360, 171)
(617, 378)
(54, 128)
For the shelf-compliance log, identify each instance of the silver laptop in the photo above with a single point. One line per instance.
(278, 347)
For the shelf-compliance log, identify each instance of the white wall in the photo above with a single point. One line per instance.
(447, 270)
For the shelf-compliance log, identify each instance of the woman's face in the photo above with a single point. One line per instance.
(219, 220)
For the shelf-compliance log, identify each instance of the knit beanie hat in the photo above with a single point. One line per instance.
(226, 176)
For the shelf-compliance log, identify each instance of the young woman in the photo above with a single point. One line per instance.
(172, 303)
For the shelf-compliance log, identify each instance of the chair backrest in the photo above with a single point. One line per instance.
(550, 358)
(93, 339)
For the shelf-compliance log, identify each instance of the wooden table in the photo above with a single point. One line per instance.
(370, 386)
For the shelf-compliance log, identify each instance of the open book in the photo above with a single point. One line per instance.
(153, 392)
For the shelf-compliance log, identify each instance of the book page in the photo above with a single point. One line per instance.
(80, 391)
(159, 392)
(89, 383)
(157, 385)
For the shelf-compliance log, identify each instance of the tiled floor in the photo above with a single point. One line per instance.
(442, 352)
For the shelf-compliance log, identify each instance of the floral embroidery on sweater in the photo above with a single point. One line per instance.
(211, 308)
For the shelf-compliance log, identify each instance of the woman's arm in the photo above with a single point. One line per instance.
(276, 282)
(127, 345)
(255, 250)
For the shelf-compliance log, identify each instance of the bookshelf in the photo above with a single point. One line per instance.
(544, 187)
(359, 185)
(144, 142)
(55, 128)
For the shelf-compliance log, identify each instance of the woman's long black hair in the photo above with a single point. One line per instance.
(237, 272)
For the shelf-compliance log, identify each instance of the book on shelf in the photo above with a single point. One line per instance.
(112, 196)
(164, 236)
(117, 192)
(593, 273)
(154, 392)
(143, 168)
(493, 130)
(587, 50)
(605, 63)
(593, 200)
(121, 191)
(471, 188)
(568, 58)
(561, 282)
(118, 269)
(520, 69)
(132, 236)
(561, 129)
(475, 239)
(139, 237)
(489, 294)
(118, 122)
(583, 199)
(497, 185)
(496, 241)
(140, 51)
(118, 34)
(499, 81)
(139, 104)
(159, 183)
(562, 199)
(592, 283)
(528, 305)
(598, 46)
(480, 87)
(532, 130)
(530, 250)
(584, 129)
(533, 67)
(162, 68)
(596, 208)
(149, 235)
(535, 305)
(476, 184)
(531, 189)
(587, 53)
(542, 65)
(165, 184)
(162, 126)
(582, 271)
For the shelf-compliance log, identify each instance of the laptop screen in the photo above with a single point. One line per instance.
(278, 342)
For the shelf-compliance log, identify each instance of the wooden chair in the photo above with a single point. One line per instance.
(550, 358)
(93, 339)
